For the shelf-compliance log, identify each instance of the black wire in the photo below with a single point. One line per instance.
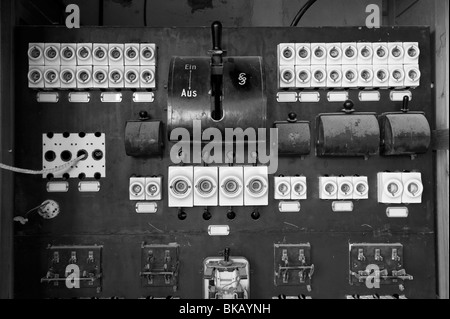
(145, 13)
(302, 12)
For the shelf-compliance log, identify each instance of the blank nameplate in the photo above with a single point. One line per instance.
(57, 187)
(370, 96)
(109, 97)
(309, 97)
(143, 97)
(289, 207)
(219, 230)
(337, 96)
(89, 187)
(342, 207)
(47, 97)
(79, 97)
(146, 208)
(287, 97)
(397, 212)
(397, 96)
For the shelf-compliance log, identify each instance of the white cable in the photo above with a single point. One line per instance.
(42, 172)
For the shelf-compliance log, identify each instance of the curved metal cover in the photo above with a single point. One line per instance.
(143, 138)
(244, 101)
(348, 135)
(294, 138)
(404, 134)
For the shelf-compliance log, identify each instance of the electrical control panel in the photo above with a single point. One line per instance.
(308, 154)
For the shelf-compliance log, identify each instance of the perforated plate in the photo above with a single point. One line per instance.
(60, 146)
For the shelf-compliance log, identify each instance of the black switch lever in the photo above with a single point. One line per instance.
(216, 71)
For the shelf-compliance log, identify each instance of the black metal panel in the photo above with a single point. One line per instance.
(108, 218)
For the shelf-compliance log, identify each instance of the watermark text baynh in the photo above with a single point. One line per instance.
(256, 142)
(242, 309)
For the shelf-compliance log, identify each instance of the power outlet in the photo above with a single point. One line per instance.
(115, 54)
(51, 77)
(412, 53)
(84, 54)
(68, 77)
(318, 76)
(349, 76)
(132, 77)
(36, 77)
(206, 187)
(381, 76)
(396, 76)
(68, 54)
(365, 76)
(100, 54)
(116, 79)
(396, 53)
(349, 54)
(231, 185)
(153, 186)
(36, 54)
(334, 76)
(412, 188)
(148, 77)
(303, 54)
(101, 77)
(286, 54)
(328, 188)
(334, 54)
(365, 53)
(256, 186)
(303, 76)
(51, 54)
(287, 78)
(380, 53)
(84, 77)
(181, 193)
(132, 54)
(282, 188)
(299, 188)
(318, 54)
(360, 188)
(390, 188)
(412, 75)
(148, 54)
(137, 188)
(345, 188)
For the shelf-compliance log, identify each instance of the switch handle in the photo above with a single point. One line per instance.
(216, 29)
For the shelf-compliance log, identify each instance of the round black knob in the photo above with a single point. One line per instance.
(207, 215)
(292, 117)
(349, 105)
(143, 115)
(256, 215)
(231, 215)
(182, 215)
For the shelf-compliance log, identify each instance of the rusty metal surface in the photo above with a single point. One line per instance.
(404, 134)
(144, 138)
(108, 218)
(347, 135)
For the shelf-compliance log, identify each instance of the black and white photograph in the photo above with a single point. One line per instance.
(185, 151)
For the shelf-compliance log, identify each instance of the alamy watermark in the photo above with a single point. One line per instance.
(234, 142)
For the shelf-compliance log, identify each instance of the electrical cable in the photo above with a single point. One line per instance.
(302, 12)
(42, 172)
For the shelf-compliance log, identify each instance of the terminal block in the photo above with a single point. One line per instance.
(293, 265)
(74, 267)
(374, 265)
(160, 266)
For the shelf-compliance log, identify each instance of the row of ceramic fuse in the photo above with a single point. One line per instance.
(349, 76)
(380, 53)
(91, 77)
(393, 188)
(89, 54)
